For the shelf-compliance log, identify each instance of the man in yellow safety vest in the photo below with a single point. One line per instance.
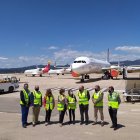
(84, 97)
(36, 103)
(24, 102)
(97, 100)
(113, 105)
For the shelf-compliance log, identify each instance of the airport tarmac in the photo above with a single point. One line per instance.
(10, 116)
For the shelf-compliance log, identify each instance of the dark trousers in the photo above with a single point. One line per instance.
(61, 115)
(72, 114)
(24, 112)
(48, 115)
(84, 110)
(113, 116)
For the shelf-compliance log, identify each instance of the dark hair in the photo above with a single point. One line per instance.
(112, 88)
(61, 91)
(48, 91)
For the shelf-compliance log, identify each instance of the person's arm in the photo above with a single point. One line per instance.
(88, 95)
(119, 99)
(32, 99)
(22, 97)
(44, 101)
(100, 98)
(75, 98)
(53, 101)
(41, 102)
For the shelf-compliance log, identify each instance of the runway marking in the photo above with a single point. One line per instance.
(134, 110)
(75, 89)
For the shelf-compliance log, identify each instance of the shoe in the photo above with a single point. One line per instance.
(33, 124)
(81, 123)
(61, 125)
(38, 122)
(86, 123)
(94, 123)
(69, 122)
(115, 128)
(111, 126)
(73, 122)
(24, 126)
(102, 124)
(46, 124)
(27, 123)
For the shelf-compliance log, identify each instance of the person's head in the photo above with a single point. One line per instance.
(36, 88)
(49, 92)
(70, 92)
(62, 91)
(97, 88)
(111, 89)
(81, 88)
(26, 86)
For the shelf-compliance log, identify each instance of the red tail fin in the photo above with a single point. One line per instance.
(47, 68)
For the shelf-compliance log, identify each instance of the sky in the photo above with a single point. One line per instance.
(32, 32)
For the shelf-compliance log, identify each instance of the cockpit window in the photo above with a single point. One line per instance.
(80, 61)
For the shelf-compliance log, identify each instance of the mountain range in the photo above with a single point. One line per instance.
(22, 69)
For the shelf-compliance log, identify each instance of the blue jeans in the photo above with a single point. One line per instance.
(24, 111)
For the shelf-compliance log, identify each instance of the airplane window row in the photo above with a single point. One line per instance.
(80, 61)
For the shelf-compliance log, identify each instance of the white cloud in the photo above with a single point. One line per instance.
(131, 49)
(3, 58)
(52, 47)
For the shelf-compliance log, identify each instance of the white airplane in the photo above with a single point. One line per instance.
(37, 71)
(82, 66)
(60, 71)
(133, 68)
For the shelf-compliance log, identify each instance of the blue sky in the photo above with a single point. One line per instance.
(35, 31)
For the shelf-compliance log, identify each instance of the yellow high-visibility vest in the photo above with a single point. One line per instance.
(83, 99)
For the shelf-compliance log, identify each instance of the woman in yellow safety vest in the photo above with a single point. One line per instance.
(49, 104)
(71, 105)
(62, 105)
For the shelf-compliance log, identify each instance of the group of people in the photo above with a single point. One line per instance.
(35, 101)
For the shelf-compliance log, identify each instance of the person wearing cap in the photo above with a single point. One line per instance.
(84, 97)
(25, 103)
(71, 106)
(49, 104)
(97, 100)
(36, 103)
(62, 105)
(113, 105)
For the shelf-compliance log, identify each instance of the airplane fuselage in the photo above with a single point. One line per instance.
(85, 65)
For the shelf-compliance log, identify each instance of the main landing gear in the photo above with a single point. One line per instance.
(84, 76)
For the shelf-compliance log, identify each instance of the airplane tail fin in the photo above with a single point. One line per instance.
(108, 53)
(47, 68)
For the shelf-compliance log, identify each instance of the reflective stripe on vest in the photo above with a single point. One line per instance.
(96, 96)
(26, 97)
(71, 103)
(60, 105)
(49, 103)
(37, 97)
(83, 99)
(113, 100)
